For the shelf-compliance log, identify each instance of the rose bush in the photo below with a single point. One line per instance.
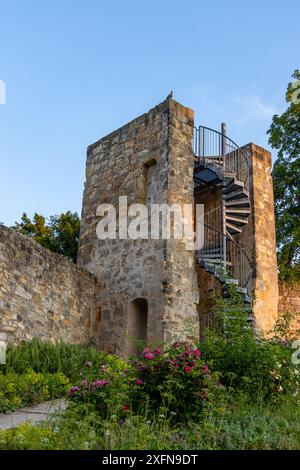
(158, 380)
(177, 379)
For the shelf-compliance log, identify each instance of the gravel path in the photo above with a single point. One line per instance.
(33, 414)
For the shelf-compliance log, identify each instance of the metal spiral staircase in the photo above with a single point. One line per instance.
(220, 163)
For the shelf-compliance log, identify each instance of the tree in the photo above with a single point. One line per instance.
(284, 135)
(60, 235)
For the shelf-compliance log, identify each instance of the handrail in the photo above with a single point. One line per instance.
(215, 147)
(232, 256)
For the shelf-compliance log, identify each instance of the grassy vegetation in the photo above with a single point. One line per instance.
(239, 424)
(18, 390)
(234, 391)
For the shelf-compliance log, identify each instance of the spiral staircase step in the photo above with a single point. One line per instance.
(230, 210)
(233, 229)
(238, 202)
(235, 185)
(239, 194)
(236, 221)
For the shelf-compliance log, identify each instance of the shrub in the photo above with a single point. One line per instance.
(44, 356)
(257, 365)
(165, 381)
(30, 388)
(104, 386)
(176, 380)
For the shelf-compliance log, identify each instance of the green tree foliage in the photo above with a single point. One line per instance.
(60, 234)
(284, 135)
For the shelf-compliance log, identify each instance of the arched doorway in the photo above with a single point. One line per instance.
(137, 324)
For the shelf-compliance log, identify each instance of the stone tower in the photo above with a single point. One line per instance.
(148, 288)
(157, 289)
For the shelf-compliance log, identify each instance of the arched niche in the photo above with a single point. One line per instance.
(137, 324)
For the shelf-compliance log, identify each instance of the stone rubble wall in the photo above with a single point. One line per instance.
(160, 271)
(258, 238)
(42, 294)
(289, 301)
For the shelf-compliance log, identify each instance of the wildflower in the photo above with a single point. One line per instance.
(197, 352)
(100, 383)
(126, 371)
(84, 382)
(187, 369)
(138, 382)
(142, 368)
(157, 351)
(162, 415)
(88, 364)
(73, 390)
(149, 356)
(125, 408)
(205, 369)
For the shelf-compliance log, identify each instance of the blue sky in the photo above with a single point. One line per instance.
(76, 70)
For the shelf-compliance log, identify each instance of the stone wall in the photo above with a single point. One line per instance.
(42, 294)
(258, 238)
(289, 301)
(149, 160)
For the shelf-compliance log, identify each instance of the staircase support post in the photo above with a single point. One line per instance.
(224, 233)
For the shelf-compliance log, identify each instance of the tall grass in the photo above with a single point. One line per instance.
(43, 356)
(239, 425)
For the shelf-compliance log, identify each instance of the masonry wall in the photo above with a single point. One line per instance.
(160, 271)
(289, 301)
(258, 238)
(42, 294)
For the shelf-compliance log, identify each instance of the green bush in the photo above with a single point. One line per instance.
(17, 390)
(257, 365)
(44, 356)
(105, 386)
(175, 381)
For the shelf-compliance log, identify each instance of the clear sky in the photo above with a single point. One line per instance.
(76, 70)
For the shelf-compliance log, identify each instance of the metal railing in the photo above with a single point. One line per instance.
(226, 255)
(216, 148)
(207, 321)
